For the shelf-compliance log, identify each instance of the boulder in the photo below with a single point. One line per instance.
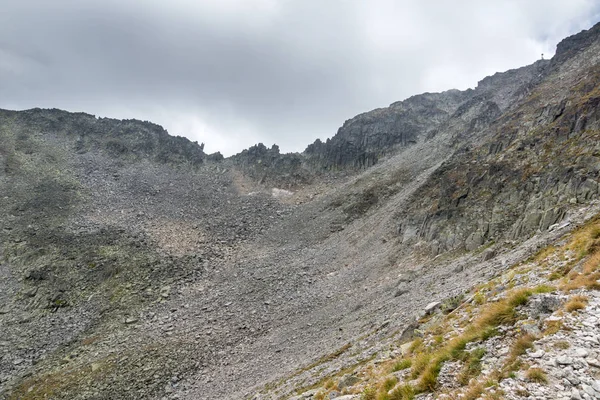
(347, 381)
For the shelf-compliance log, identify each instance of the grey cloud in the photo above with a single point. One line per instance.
(233, 72)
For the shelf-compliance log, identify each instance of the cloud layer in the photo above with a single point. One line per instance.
(232, 73)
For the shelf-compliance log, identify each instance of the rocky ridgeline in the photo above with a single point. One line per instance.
(368, 138)
(129, 140)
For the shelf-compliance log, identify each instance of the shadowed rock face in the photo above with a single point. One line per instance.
(135, 265)
(364, 139)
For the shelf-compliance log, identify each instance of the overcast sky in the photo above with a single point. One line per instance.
(232, 73)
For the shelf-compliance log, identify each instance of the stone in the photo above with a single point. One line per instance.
(165, 291)
(488, 255)
(431, 307)
(579, 363)
(544, 304)
(96, 367)
(593, 362)
(573, 380)
(530, 327)
(309, 393)
(589, 390)
(575, 395)
(537, 354)
(579, 352)
(405, 348)
(131, 320)
(347, 381)
(563, 360)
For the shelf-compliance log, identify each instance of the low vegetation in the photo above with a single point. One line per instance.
(577, 302)
(536, 375)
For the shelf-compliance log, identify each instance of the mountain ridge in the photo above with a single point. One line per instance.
(133, 264)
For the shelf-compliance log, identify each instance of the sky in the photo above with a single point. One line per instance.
(232, 73)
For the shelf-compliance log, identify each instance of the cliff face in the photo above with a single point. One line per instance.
(364, 139)
(135, 265)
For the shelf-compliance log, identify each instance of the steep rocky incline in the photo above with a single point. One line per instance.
(530, 332)
(538, 160)
(136, 266)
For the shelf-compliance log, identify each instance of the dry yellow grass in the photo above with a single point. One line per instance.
(576, 303)
(552, 327)
(536, 375)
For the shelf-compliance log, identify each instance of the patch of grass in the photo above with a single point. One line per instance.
(329, 357)
(402, 364)
(427, 365)
(576, 303)
(416, 344)
(552, 327)
(474, 392)
(518, 348)
(536, 375)
(403, 392)
(55, 383)
(544, 289)
(562, 344)
(419, 363)
(544, 253)
(496, 314)
(389, 383)
(454, 350)
(369, 393)
(521, 345)
(472, 366)
(479, 298)
(489, 332)
(587, 280)
(519, 297)
(555, 275)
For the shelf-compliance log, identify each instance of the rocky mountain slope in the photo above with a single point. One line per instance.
(136, 266)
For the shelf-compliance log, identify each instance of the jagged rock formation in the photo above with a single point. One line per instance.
(135, 265)
(270, 167)
(367, 138)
